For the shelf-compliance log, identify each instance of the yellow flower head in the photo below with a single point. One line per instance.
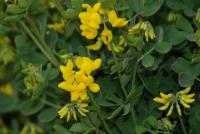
(169, 100)
(7, 89)
(143, 26)
(115, 21)
(86, 65)
(106, 35)
(71, 109)
(90, 20)
(78, 81)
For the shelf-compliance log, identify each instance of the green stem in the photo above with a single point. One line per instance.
(50, 104)
(59, 7)
(182, 125)
(99, 113)
(122, 85)
(119, 74)
(148, 52)
(161, 132)
(41, 39)
(38, 44)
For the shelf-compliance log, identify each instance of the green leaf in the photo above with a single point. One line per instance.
(147, 8)
(148, 61)
(61, 130)
(184, 25)
(14, 9)
(38, 90)
(116, 112)
(176, 4)
(47, 115)
(78, 128)
(187, 73)
(35, 58)
(7, 103)
(185, 79)
(140, 129)
(151, 120)
(126, 109)
(24, 3)
(71, 14)
(151, 7)
(163, 47)
(77, 5)
(30, 107)
(174, 36)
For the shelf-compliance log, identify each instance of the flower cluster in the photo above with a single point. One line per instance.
(70, 110)
(92, 18)
(77, 82)
(169, 100)
(143, 26)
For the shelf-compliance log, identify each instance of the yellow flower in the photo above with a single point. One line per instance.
(59, 27)
(86, 65)
(87, 80)
(143, 26)
(77, 82)
(71, 109)
(7, 89)
(90, 20)
(96, 46)
(115, 21)
(169, 100)
(119, 47)
(106, 35)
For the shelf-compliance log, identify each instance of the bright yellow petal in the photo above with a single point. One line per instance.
(188, 100)
(185, 105)
(185, 91)
(164, 107)
(94, 87)
(79, 61)
(75, 96)
(189, 96)
(96, 7)
(96, 64)
(112, 16)
(166, 96)
(170, 110)
(95, 47)
(160, 100)
(85, 5)
(178, 109)
(65, 85)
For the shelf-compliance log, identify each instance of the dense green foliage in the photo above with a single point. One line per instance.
(31, 52)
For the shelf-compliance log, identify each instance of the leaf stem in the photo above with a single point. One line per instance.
(50, 104)
(118, 72)
(99, 113)
(182, 125)
(122, 85)
(39, 45)
(59, 7)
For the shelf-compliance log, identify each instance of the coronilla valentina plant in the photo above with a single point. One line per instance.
(99, 66)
